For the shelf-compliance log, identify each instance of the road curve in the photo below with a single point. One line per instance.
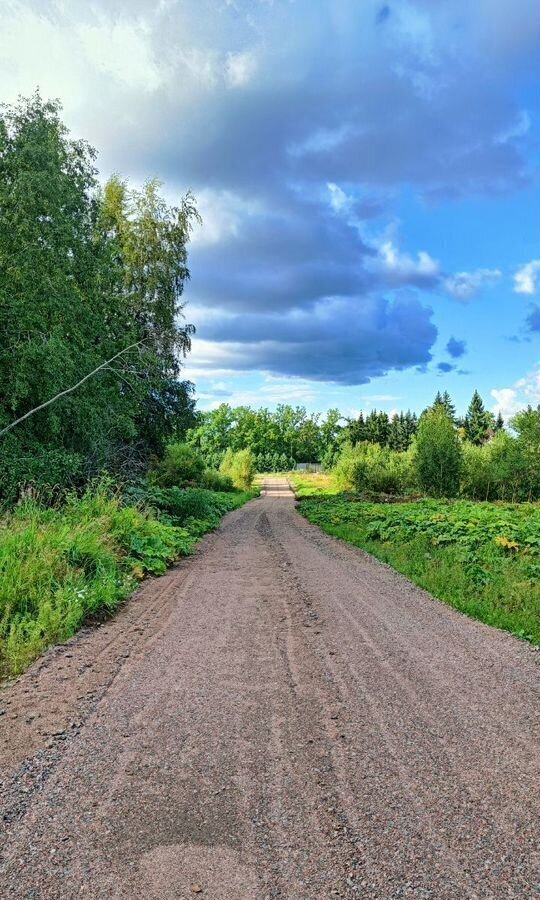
(296, 721)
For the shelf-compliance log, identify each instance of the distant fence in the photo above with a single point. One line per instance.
(308, 467)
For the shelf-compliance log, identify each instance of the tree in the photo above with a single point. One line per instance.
(499, 422)
(85, 273)
(527, 425)
(478, 423)
(438, 454)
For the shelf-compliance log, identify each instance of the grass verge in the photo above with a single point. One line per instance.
(481, 558)
(61, 566)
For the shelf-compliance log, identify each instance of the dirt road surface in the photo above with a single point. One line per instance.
(278, 717)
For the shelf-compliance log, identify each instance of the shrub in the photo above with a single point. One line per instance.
(181, 465)
(226, 466)
(477, 476)
(438, 454)
(369, 467)
(48, 471)
(216, 481)
(243, 470)
(240, 467)
(348, 466)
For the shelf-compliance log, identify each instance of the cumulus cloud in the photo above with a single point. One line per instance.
(346, 341)
(465, 285)
(290, 121)
(401, 268)
(456, 348)
(526, 279)
(524, 392)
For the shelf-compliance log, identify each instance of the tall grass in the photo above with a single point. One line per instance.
(60, 566)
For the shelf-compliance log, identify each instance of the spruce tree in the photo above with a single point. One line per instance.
(478, 422)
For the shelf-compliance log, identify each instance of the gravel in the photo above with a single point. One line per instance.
(279, 717)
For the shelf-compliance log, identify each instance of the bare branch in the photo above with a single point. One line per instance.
(68, 390)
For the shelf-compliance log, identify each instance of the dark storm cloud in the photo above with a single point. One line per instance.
(456, 348)
(344, 341)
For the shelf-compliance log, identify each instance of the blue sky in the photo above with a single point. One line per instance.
(367, 174)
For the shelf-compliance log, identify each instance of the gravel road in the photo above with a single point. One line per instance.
(279, 717)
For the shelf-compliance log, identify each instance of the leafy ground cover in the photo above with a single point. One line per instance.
(482, 558)
(61, 566)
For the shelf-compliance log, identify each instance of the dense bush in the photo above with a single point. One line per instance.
(240, 467)
(438, 454)
(369, 467)
(180, 465)
(216, 481)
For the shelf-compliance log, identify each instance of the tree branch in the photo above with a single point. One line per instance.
(68, 390)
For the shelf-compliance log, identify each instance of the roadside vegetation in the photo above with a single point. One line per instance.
(482, 558)
(476, 542)
(97, 484)
(65, 564)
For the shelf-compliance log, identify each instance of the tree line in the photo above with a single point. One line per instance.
(290, 435)
(89, 273)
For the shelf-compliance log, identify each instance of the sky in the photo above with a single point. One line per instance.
(367, 173)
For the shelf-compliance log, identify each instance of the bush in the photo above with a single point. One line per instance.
(181, 465)
(240, 467)
(243, 470)
(438, 454)
(347, 468)
(477, 476)
(48, 471)
(369, 467)
(216, 481)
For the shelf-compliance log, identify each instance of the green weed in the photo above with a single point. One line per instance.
(481, 558)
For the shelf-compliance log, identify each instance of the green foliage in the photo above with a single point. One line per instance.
(370, 468)
(437, 454)
(478, 424)
(180, 465)
(216, 481)
(61, 565)
(85, 273)
(242, 470)
(278, 440)
(482, 558)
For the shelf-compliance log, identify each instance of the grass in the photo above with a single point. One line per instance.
(61, 566)
(306, 484)
(481, 558)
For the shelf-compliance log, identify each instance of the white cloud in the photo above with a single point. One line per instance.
(526, 278)
(240, 68)
(224, 215)
(506, 402)
(404, 267)
(525, 391)
(339, 200)
(122, 51)
(464, 285)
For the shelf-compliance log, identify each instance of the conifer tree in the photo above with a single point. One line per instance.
(478, 421)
